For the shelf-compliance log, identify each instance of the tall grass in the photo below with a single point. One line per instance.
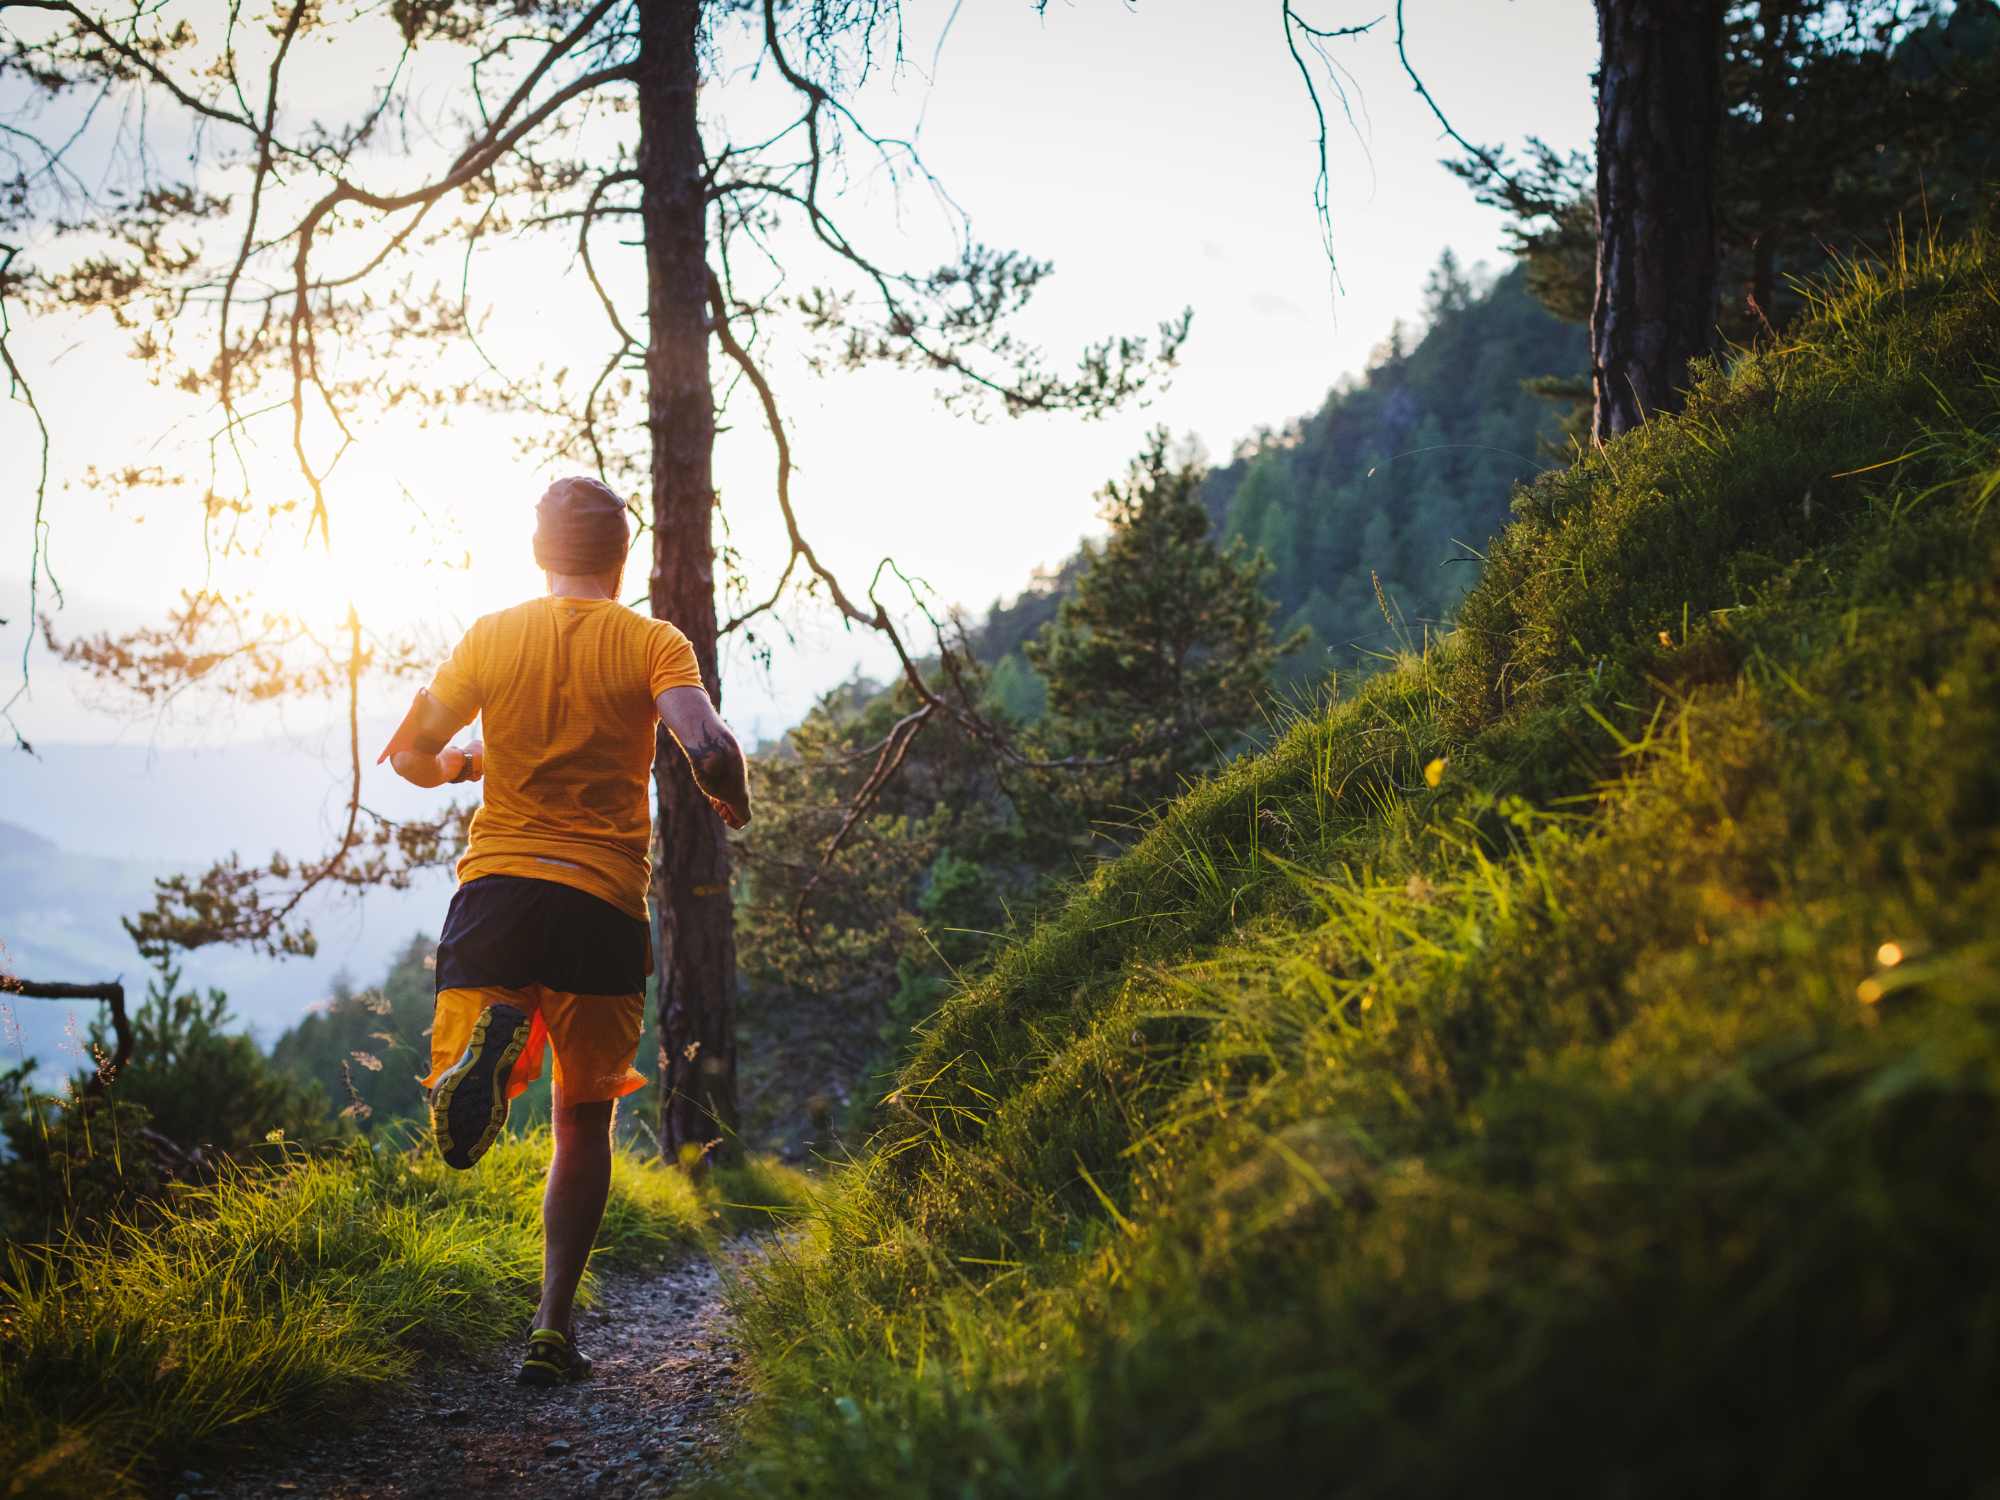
(290, 1291)
(1573, 1062)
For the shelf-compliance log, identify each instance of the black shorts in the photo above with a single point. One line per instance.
(513, 931)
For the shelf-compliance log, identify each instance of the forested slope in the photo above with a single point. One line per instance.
(1399, 476)
(1573, 1061)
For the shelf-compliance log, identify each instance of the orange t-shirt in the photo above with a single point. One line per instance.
(567, 688)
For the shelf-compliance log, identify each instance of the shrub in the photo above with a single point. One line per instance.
(192, 1094)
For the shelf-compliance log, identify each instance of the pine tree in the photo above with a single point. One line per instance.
(204, 1084)
(1161, 653)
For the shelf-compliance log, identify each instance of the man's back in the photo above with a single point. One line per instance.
(545, 947)
(567, 688)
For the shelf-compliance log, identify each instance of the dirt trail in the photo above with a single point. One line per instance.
(646, 1424)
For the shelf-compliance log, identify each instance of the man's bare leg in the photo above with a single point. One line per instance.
(573, 1206)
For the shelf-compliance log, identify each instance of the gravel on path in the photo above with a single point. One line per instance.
(647, 1423)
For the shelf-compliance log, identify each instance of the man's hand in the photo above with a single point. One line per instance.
(713, 754)
(419, 751)
(443, 767)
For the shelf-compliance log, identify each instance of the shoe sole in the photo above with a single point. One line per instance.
(539, 1374)
(469, 1104)
(541, 1369)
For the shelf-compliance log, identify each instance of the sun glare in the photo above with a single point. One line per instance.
(412, 536)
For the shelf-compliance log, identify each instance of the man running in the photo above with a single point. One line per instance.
(547, 941)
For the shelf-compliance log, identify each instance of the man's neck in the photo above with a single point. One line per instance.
(562, 586)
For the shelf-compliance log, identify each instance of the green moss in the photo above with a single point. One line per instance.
(1572, 1062)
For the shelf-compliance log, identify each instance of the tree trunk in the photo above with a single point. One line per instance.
(1659, 109)
(695, 940)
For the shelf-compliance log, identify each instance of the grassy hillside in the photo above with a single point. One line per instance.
(281, 1293)
(1574, 1061)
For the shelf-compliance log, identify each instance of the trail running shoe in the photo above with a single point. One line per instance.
(551, 1360)
(469, 1104)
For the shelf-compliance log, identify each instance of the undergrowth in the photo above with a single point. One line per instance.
(289, 1290)
(1573, 1061)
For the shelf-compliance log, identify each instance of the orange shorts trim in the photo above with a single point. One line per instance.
(595, 1039)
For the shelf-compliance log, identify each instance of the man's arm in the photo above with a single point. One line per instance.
(419, 752)
(713, 754)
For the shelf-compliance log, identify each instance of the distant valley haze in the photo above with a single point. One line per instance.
(85, 828)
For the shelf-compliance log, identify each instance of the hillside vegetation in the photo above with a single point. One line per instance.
(285, 1290)
(1571, 1062)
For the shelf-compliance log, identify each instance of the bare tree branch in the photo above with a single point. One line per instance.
(1294, 27)
(134, 57)
(226, 359)
(112, 993)
(471, 162)
(18, 389)
(1485, 157)
(801, 550)
(895, 749)
(526, 88)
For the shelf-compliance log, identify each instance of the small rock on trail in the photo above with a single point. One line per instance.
(647, 1422)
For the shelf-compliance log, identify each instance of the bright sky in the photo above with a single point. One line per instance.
(1161, 155)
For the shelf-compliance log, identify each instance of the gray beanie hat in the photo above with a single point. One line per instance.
(580, 527)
